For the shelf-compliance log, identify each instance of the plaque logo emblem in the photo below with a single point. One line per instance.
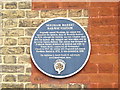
(59, 65)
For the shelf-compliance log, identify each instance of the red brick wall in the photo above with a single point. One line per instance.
(103, 31)
(101, 70)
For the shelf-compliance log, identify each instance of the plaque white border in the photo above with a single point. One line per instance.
(71, 73)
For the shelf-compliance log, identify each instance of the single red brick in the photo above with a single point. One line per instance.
(52, 5)
(90, 68)
(103, 21)
(105, 11)
(104, 4)
(77, 78)
(108, 21)
(108, 49)
(105, 68)
(94, 21)
(93, 85)
(104, 58)
(105, 85)
(93, 12)
(104, 39)
(74, 5)
(103, 30)
(103, 78)
(38, 5)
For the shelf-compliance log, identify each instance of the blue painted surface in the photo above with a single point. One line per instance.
(73, 63)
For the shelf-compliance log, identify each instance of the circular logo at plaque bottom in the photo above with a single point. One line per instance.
(60, 47)
(59, 65)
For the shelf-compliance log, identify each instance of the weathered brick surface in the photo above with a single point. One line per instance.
(108, 49)
(24, 59)
(9, 59)
(24, 5)
(116, 68)
(93, 85)
(0, 59)
(10, 23)
(51, 5)
(103, 30)
(11, 5)
(104, 39)
(28, 50)
(1, 41)
(9, 78)
(115, 11)
(30, 22)
(104, 4)
(105, 85)
(104, 21)
(104, 58)
(85, 12)
(37, 5)
(78, 86)
(53, 85)
(82, 21)
(13, 14)
(103, 78)
(12, 69)
(90, 68)
(78, 13)
(86, 28)
(105, 68)
(23, 78)
(12, 85)
(28, 70)
(32, 14)
(1, 5)
(75, 13)
(105, 11)
(29, 31)
(13, 32)
(94, 12)
(24, 41)
(10, 41)
(30, 85)
(0, 78)
(12, 50)
(53, 13)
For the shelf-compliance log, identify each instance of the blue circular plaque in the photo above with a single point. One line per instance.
(60, 47)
